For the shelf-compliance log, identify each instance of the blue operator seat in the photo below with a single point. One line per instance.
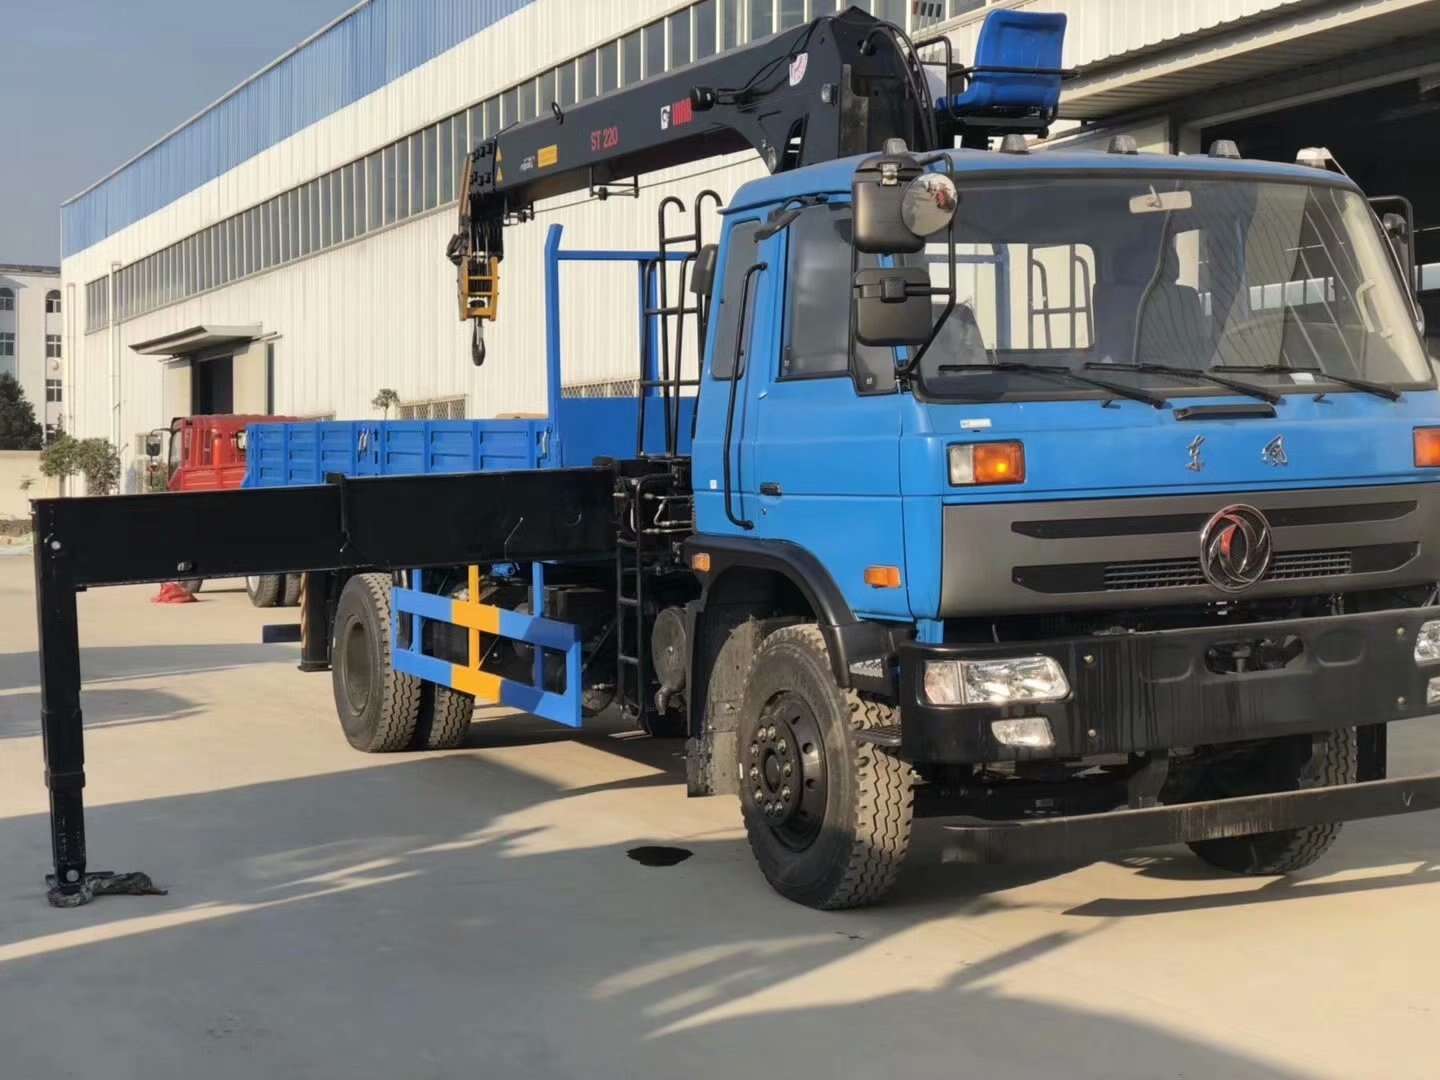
(1014, 84)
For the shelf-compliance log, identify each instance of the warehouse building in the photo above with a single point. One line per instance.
(283, 250)
(32, 340)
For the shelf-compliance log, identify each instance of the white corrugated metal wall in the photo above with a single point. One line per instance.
(379, 311)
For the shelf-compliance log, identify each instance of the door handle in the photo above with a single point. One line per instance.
(769, 487)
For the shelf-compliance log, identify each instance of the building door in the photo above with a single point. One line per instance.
(212, 385)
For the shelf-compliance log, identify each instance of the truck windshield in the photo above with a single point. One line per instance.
(1193, 275)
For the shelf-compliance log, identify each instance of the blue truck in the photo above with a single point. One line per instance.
(1066, 501)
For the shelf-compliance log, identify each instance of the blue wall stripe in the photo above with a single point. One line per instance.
(365, 51)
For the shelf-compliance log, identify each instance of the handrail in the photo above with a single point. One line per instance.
(735, 376)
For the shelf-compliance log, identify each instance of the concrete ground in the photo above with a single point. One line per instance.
(474, 913)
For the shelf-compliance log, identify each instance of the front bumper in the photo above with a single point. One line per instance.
(1068, 838)
(1156, 691)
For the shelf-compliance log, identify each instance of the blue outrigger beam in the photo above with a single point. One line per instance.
(477, 619)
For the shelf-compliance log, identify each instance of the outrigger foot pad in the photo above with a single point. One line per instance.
(99, 884)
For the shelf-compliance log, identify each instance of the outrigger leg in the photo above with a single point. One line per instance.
(63, 733)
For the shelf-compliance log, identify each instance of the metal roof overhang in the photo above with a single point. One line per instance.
(1258, 48)
(197, 339)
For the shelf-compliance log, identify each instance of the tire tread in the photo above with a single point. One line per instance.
(400, 700)
(885, 799)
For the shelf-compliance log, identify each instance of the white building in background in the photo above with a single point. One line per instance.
(283, 250)
(32, 338)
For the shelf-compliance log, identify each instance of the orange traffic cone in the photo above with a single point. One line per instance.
(172, 592)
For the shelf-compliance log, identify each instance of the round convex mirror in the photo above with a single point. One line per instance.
(928, 203)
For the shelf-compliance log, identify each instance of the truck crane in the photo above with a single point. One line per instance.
(1061, 501)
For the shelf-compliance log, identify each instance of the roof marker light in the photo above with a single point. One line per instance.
(1225, 148)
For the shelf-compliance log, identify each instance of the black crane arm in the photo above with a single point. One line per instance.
(839, 85)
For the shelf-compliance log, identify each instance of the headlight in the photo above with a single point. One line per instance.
(1427, 642)
(994, 682)
(987, 463)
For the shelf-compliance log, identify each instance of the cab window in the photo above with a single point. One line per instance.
(744, 251)
(817, 305)
(179, 439)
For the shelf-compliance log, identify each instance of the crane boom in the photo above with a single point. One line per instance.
(841, 84)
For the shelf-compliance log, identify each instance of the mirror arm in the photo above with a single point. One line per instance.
(911, 365)
(907, 371)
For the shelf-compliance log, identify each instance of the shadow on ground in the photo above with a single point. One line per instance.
(103, 663)
(108, 705)
(373, 923)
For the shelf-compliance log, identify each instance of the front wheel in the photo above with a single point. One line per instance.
(828, 815)
(1289, 764)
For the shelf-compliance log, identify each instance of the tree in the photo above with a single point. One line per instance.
(95, 458)
(384, 399)
(19, 429)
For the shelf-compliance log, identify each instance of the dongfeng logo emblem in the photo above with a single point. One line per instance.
(1274, 452)
(1196, 461)
(1235, 548)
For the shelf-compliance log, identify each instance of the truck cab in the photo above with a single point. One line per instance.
(207, 453)
(1109, 490)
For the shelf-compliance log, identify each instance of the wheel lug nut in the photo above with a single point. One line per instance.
(788, 769)
(759, 796)
(771, 731)
(754, 750)
(785, 794)
(782, 746)
(754, 774)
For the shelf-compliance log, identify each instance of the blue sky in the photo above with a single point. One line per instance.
(86, 84)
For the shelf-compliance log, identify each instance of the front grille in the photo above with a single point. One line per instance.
(1180, 573)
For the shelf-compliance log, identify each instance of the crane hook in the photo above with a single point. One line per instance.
(477, 346)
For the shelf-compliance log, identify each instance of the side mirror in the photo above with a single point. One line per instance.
(898, 204)
(154, 444)
(1397, 230)
(702, 272)
(892, 306)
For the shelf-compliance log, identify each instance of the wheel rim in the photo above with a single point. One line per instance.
(786, 770)
(253, 584)
(357, 665)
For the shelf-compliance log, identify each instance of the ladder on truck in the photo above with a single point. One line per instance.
(654, 502)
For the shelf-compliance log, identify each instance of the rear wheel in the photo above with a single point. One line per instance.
(828, 815)
(1290, 764)
(378, 706)
(265, 590)
(191, 585)
(444, 718)
(291, 596)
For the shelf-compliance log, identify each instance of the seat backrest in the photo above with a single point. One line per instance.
(1018, 39)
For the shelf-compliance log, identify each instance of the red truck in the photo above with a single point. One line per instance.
(207, 453)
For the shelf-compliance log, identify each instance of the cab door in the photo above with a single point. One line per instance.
(741, 328)
(826, 434)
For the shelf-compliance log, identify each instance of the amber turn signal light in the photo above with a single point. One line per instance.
(1427, 448)
(987, 463)
(882, 577)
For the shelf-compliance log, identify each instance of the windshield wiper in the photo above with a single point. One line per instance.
(1057, 371)
(1192, 373)
(1378, 389)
